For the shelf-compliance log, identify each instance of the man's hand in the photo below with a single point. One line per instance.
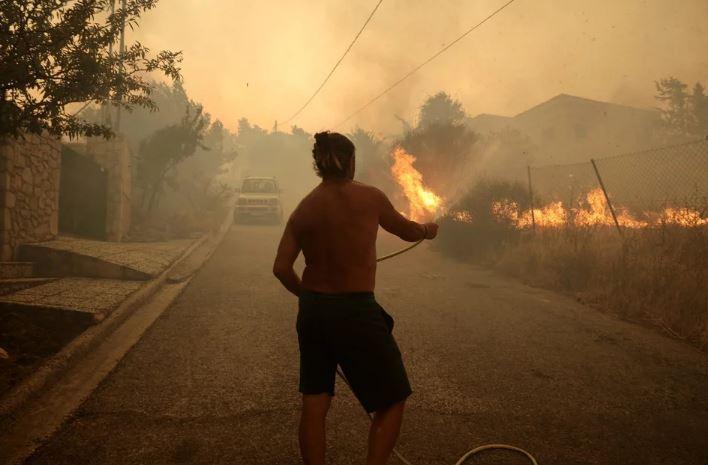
(395, 223)
(431, 230)
(288, 250)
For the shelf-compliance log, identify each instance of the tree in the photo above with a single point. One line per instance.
(202, 181)
(442, 144)
(440, 109)
(287, 156)
(443, 152)
(164, 150)
(699, 105)
(368, 148)
(683, 113)
(170, 100)
(672, 93)
(57, 52)
(372, 162)
(208, 163)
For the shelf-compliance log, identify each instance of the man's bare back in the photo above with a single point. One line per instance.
(335, 226)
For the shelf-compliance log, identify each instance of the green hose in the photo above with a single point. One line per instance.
(399, 252)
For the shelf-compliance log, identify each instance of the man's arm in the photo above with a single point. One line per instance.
(395, 223)
(288, 250)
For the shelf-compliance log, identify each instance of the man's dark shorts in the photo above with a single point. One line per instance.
(354, 332)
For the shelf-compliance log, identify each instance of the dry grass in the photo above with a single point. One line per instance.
(658, 276)
(654, 275)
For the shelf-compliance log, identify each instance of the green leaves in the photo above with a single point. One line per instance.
(57, 52)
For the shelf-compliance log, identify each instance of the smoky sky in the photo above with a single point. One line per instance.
(262, 60)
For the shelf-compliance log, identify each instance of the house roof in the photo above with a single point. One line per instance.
(565, 100)
(560, 100)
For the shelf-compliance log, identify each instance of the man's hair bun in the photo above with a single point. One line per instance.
(332, 154)
(321, 138)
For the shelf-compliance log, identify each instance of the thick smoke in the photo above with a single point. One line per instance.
(263, 59)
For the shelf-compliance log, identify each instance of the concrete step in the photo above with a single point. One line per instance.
(16, 270)
(94, 298)
(53, 261)
(10, 285)
(133, 261)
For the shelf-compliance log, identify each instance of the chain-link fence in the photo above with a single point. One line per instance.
(668, 176)
(675, 176)
(564, 183)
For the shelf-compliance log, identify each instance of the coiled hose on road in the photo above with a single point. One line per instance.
(471, 452)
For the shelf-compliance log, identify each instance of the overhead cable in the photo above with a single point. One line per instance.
(336, 65)
(417, 68)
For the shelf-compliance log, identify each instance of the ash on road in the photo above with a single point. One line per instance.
(214, 381)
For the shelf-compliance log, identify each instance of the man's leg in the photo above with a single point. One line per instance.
(312, 428)
(384, 433)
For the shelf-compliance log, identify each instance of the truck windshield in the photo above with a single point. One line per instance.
(259, 186)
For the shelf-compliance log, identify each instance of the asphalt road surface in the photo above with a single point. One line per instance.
(214, 381)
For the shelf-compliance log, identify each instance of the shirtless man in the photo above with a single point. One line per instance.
(339, 321)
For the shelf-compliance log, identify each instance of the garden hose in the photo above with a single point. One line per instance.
(471, 452)
(399, 252)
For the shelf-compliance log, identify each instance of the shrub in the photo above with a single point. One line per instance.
(471, 230)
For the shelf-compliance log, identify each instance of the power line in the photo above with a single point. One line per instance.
(356, 37)
(417, 68)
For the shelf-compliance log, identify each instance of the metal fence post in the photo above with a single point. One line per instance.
(607, 197)
(533, 215)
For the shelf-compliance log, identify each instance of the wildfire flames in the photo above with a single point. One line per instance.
(591, 210)
(595, 212)
(422, 202)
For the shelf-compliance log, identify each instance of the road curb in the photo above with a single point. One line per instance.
(54, 367)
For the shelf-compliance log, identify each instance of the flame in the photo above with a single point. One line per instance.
(593, 212)
(550, 216)
(422, 202)
(685, 217)
(461, 216)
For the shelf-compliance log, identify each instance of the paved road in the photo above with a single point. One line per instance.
(214, 380)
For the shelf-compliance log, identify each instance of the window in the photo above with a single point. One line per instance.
(259, 186)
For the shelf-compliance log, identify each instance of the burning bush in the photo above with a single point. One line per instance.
(472, 228)
(443, 145)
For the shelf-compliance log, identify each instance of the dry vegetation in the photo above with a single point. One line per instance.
(656, 275)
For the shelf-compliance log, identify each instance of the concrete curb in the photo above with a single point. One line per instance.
(53, 368)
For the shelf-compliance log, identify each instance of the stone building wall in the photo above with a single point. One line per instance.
(29, 191)
(115, 157)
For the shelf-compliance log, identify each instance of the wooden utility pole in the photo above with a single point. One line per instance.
(121, 48)
(106, 111)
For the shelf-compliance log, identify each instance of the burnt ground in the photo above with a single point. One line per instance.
(214, 381)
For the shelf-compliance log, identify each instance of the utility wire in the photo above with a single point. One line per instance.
(346, 52)
(417, 68)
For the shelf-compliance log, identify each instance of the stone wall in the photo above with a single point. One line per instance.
(115, 157)
(29, 191)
